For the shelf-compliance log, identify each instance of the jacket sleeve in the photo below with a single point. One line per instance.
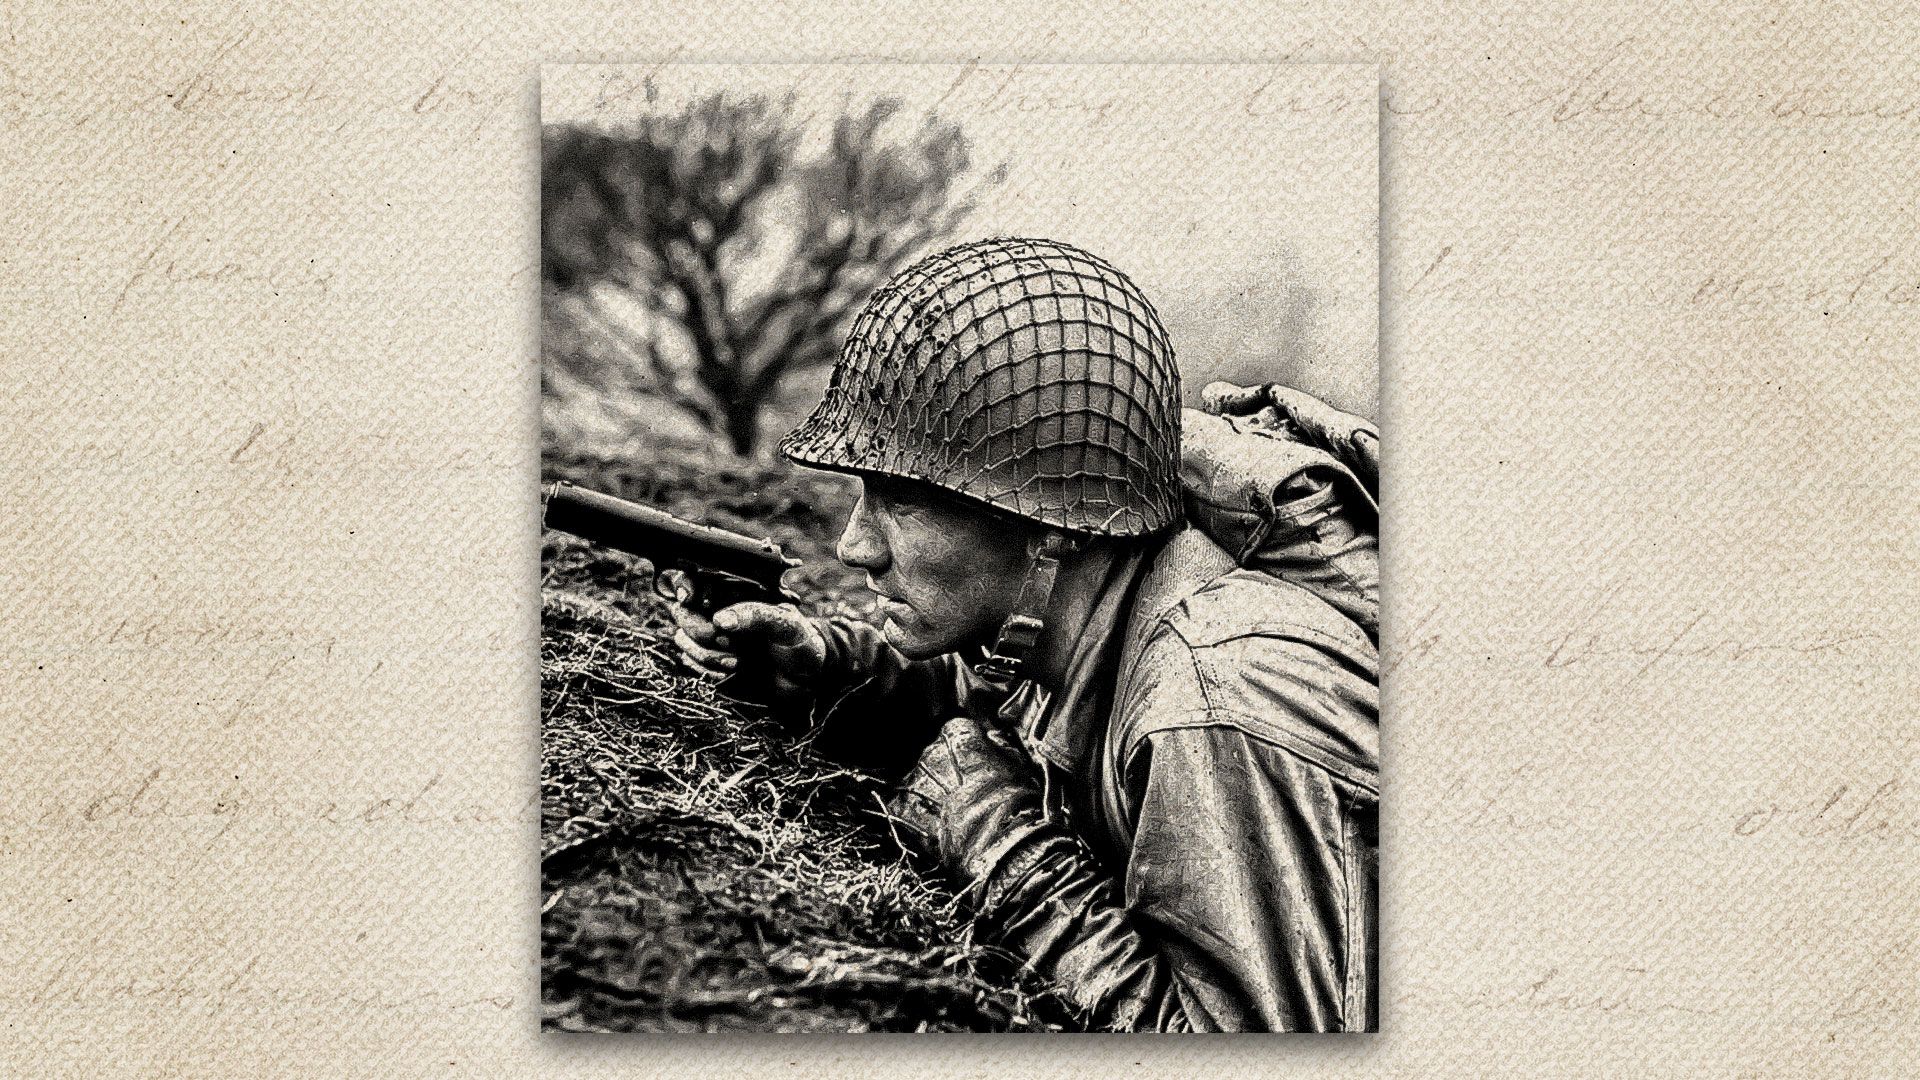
(1247, 902)
(875, 709)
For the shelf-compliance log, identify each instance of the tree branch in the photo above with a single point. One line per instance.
(668, 208)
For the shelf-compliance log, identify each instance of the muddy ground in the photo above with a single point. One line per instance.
(701, 873)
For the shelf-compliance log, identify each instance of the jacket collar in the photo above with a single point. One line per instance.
(1059, 726)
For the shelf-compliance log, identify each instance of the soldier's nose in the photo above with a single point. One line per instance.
(861, 553)
(860, 545)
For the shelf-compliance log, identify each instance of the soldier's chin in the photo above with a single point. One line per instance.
(913, 643)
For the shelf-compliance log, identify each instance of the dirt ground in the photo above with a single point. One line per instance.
(699, 872)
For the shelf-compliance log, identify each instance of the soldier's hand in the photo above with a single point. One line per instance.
(775, 640)
(965, 800)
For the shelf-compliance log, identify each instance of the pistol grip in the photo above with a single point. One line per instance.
(705, 592)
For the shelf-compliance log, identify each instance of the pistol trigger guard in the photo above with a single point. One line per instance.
(674, 584)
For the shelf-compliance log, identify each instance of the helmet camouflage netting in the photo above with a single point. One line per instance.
(1027, 374)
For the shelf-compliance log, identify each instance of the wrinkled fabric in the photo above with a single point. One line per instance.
(1207, 861)
(1285, 507)
(970, 800)
(1298, 416)
(1206, 853)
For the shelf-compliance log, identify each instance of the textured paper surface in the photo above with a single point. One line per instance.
(1648, 325)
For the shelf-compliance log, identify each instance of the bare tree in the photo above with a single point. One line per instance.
(688, 211)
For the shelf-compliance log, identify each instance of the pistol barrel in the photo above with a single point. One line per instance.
(659, 537)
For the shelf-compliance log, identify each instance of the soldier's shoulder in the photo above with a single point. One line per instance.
(1244, 649)
(1196, 588)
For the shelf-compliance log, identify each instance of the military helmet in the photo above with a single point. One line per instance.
(1026, 374)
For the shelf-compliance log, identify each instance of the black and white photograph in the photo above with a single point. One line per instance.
(960, 591)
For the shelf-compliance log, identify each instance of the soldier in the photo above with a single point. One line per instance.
(1151, 769)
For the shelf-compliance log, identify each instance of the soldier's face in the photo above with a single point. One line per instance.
(947, 573)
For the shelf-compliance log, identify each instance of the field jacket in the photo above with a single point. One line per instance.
(1210, 770)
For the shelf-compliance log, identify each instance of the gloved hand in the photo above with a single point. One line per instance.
(784, 649)
(970, 801)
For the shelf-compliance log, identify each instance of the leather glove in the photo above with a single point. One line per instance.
(970, 801)
(974, 803)
(785, 650)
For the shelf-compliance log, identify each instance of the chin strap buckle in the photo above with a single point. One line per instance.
(1021, 632)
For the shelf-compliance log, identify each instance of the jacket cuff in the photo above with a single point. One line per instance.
(1014, 863)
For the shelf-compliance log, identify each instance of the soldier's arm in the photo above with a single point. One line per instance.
(1247, 902)
(1238, 912)
(875, 709)
(843, 687)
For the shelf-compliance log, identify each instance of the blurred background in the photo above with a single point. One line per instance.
(708, 232)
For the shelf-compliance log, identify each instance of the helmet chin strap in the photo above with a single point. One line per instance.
(1021, 632)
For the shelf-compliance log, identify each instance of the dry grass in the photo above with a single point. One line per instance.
(701, 871)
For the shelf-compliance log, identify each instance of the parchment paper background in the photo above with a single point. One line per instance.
(1648, 337)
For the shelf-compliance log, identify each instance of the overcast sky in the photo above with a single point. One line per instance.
(1242, 198)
